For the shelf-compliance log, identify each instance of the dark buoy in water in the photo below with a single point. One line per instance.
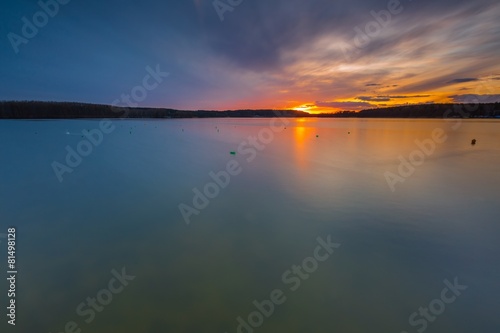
(473, 142)
(233, 153)
(348, 132)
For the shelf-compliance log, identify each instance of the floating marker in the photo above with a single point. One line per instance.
(233, 153)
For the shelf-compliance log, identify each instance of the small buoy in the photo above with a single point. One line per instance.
(348, 132)
(233, 153)
(473, 142)
(317, 136)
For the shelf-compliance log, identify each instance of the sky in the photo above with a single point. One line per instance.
(314, 55)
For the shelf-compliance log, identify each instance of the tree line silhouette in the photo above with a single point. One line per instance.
(68, 110)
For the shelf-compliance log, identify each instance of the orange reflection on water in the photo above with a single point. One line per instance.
(302, 135)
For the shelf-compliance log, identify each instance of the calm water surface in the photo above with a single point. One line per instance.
(317, 178)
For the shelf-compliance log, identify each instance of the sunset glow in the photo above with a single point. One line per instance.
(315, 56)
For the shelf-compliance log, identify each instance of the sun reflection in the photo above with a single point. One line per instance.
(302, 135)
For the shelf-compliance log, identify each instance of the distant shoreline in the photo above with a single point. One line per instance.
(67, 110)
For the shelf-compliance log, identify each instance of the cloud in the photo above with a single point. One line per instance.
(261, 49)
(468, 79)
(472, 99)
(409, 96)
(344, 105)
(374, 98)
(387, 98)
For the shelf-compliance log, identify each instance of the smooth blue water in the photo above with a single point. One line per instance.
(318, 177)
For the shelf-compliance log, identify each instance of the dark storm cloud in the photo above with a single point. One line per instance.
(462, 80)
(257, 33)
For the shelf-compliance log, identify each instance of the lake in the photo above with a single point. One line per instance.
(253, 225)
